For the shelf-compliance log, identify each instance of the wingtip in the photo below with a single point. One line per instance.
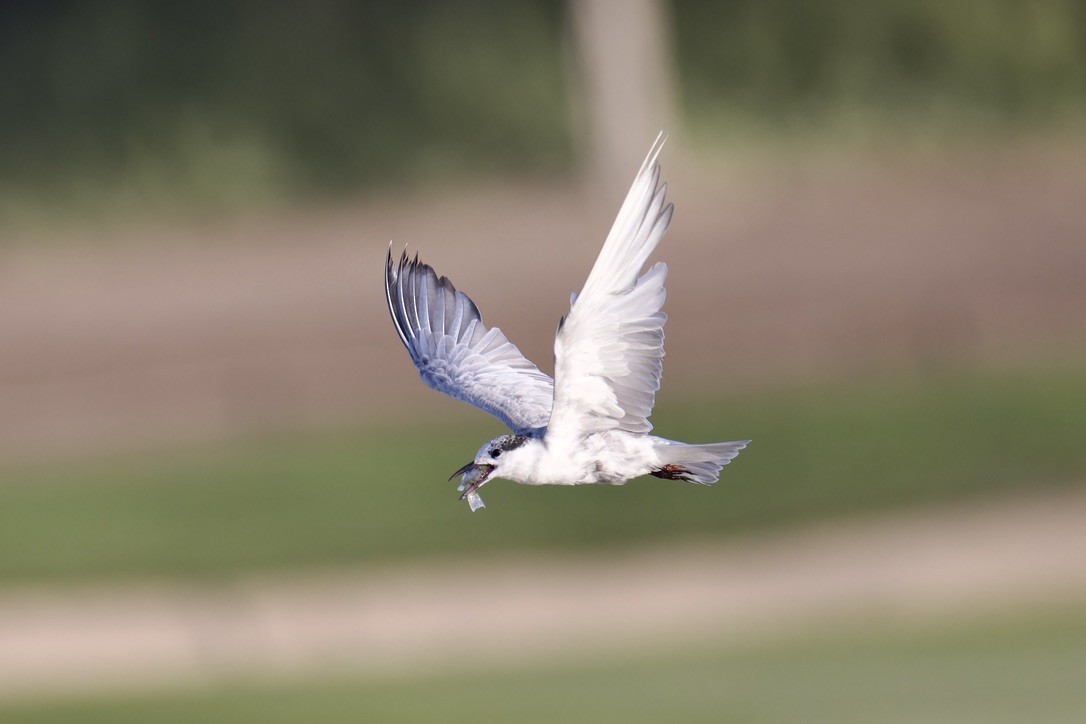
(654, 151)
(389, 258)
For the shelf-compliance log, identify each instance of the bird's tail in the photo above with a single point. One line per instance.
(695, 463)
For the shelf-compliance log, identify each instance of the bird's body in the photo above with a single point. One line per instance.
(611, 457)
(589, 424)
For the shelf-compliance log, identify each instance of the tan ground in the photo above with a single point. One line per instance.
(1009, 556)
(779, 270)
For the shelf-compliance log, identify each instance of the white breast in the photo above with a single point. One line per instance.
(611, 457)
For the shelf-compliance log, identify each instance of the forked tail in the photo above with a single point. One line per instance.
(695, 463)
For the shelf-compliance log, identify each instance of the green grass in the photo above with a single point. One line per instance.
(1018, 670)
(376, 496)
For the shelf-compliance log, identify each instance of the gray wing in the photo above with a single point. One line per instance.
(456, 354)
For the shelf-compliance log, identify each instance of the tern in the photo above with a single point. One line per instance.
(590, 423)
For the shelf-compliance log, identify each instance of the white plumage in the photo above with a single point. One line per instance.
(590, 424)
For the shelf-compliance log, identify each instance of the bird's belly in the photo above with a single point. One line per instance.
(609, 458)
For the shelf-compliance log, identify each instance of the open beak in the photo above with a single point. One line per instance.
(474, 476)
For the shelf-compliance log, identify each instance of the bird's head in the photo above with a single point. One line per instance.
(487, 463)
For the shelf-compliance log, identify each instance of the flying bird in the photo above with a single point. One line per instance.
(590, 423)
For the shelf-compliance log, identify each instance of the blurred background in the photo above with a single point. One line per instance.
(222, 485)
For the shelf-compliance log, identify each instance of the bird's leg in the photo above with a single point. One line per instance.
(671, 472)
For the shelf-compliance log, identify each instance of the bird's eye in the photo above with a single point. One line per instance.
(495, 453)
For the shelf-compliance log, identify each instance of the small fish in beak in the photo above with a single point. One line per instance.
(473, 476)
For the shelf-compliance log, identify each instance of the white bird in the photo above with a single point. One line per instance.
(590, 423)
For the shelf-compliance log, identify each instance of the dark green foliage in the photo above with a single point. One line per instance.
(223, 102)
(979, 64)
(134, 107)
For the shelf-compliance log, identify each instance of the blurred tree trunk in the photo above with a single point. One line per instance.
(624, 77)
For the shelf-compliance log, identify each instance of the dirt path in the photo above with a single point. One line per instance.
(809, 268)
(1003, 556)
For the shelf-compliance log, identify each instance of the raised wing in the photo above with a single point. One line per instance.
(456, 354)
(609, 348)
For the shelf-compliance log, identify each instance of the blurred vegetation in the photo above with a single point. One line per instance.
(381, 496)
(132, 107)
(1006, 670)
(220, 104)
(891, 68)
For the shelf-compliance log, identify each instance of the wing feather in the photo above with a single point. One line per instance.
(456, 354)
(609, 349)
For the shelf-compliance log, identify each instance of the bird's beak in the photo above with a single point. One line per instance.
(462, 470)
(474, 475)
